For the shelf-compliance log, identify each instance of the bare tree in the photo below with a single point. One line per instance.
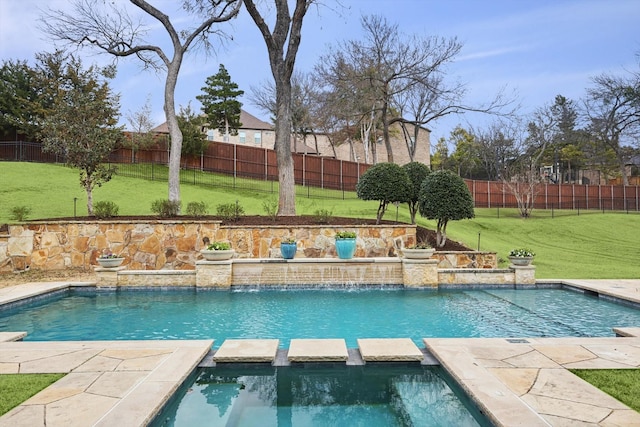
(108, 27)
(350, 98)
(406, 75)
(141, 125)
(303, 98)
(522, 174)
(613, 108)
(287, 30)
(513, 159)
(497, 147)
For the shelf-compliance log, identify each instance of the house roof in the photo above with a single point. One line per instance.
(248, 122)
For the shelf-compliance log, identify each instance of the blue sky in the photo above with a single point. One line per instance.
(535, 48)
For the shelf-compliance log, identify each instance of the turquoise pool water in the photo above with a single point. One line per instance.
(374, 313)
(320, 396)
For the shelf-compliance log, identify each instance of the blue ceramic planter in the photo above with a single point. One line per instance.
(345, 248)
(288, 250)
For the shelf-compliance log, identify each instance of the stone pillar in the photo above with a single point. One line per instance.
(107, 277)
(524, 275)
(214, 274)
(420, 273)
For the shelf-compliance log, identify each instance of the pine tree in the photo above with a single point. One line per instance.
(220, 104)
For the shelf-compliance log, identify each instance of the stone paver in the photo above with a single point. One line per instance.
(12, 336)
(107, 383)
(317, 350)
(627, 332)
(389, 350)
(628, 289)
(535, 374)
(249, 350)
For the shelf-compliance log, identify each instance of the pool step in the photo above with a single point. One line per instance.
(401, 352)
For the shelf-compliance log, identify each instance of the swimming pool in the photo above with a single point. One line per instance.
(320, 396)
(329, 313)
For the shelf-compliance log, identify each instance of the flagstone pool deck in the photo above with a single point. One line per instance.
(515, 381)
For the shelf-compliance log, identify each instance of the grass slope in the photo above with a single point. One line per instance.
(592, 245)
(623, 384)
(16, 388)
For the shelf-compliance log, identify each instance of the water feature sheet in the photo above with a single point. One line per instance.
(349, 314)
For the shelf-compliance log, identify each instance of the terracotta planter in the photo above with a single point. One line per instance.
(521, 260)
(217, 255)
(110, 262)
(418, 253)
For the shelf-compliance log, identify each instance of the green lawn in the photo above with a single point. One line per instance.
(16, 388)
(623, 384)
(591, 245)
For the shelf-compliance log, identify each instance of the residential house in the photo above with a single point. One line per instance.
(257, 133)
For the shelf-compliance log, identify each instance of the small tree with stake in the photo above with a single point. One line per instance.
(444, 196)
(80, 117)
(386, 182)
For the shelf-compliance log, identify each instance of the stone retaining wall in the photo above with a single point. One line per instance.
(175, 244)
(240, 272)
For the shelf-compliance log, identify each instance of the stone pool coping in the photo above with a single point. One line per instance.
(514, 381)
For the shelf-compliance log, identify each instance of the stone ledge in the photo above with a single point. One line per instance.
(627, 332)
(389, 350)
(317, 350)
(378, 260)
(247, 350)
(156, 272)
(12, 336)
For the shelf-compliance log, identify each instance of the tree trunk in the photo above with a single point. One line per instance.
(174, 130)
(87, 187)
(287, 29)
(623, 170)
(286, 197)
(441, 233)
(385, 133)
(413, 209)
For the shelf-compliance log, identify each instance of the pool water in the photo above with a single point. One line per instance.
(320, 396)
(369, 313)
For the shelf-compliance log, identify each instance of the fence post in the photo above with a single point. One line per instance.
(612, 198)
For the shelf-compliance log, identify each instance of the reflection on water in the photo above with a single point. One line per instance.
(320, 396)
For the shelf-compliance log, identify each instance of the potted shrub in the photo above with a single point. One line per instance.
(288, 248)
(345, 244)
(109, 260)
(421, 250)
(521, 256)
(217, 251)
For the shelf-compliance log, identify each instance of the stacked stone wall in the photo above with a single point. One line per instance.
(175, 245)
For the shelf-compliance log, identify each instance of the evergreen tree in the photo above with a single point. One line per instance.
(220, 104)
(193, 141)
